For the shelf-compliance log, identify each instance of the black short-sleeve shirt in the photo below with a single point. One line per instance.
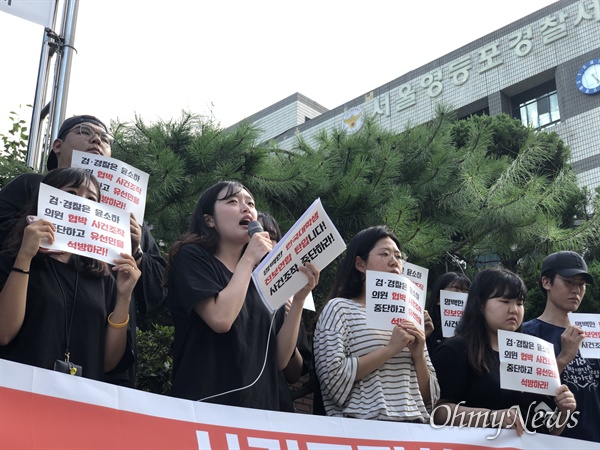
(42, 338)
(206, 363)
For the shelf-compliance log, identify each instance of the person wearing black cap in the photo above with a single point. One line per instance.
(564, 280)
(84, 133)
(89, 134)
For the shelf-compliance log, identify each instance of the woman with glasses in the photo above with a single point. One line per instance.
(367, 373)
(449, 281)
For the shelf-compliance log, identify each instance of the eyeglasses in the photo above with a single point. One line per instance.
(387, 257)
(88, 133)
(571, 283)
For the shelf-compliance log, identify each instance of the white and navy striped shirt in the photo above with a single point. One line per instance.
(391, 392)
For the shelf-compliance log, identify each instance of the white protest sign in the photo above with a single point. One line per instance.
(527, 363)
(418, 275)
(314, 239)
(452, 305)
(309, 303)
(122, 185)
(84, 227)
(391, 298)
(37, 11)
(590, 323)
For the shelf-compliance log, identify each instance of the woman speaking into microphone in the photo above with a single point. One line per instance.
(228, 347)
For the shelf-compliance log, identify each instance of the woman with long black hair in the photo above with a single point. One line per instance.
(468, 364)
(59, 307)
(228, 347)
(363, 372)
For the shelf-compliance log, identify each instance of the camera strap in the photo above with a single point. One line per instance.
(68, 320)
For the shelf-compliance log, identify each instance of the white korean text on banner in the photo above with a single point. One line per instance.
(527, 363)
(41, 408)
(590, 324)
(121, 185)
(84, 227)
(452, 306)
(314, 239)
(392, 298)
(37, 11)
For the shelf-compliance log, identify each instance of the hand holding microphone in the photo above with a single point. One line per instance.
(263, 243)
(254, 227)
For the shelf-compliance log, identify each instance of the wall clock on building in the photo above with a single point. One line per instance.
(588, 77)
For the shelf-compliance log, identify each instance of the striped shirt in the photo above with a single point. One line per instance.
(391, 392)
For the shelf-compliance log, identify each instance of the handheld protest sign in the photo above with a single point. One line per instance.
(121, 185)
(314, 239)
(590, 324)
(418, 275)
(391, 298)
(452, 306)
(527, 363)
(84, 227)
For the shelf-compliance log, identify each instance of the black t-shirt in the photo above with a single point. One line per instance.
(435, 339)
(206, 363)
(42, 338)
(459, 382)
(148, 293)
(582, 376)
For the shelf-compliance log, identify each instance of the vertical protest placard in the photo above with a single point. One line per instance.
(84, 227)
(527, 363)
(590, 324)
(390, 299)
(122, 185)
(418, 275)
(452, 305)
(314, 239)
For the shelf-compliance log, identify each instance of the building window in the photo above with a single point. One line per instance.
(537, 107)
(540, 112)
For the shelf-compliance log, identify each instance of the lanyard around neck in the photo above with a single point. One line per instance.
(68, 322)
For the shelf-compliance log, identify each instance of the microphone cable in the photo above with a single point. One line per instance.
(261, 370)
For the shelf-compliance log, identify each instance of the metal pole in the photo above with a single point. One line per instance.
(35, 130)
(59, 100)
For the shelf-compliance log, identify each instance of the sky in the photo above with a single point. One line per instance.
(231, 58)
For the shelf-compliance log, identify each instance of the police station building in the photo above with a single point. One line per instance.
(543, 69)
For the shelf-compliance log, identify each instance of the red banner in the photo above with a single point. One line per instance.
(45, 409)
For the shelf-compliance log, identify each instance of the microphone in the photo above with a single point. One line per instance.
(254, 227)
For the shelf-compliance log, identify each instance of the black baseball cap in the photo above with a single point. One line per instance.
(66, 126)
(566, 264)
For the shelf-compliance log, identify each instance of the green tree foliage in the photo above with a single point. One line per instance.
(460, 195)
(485, 190)
(186, 156)
(14, 150)
(154, 361)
